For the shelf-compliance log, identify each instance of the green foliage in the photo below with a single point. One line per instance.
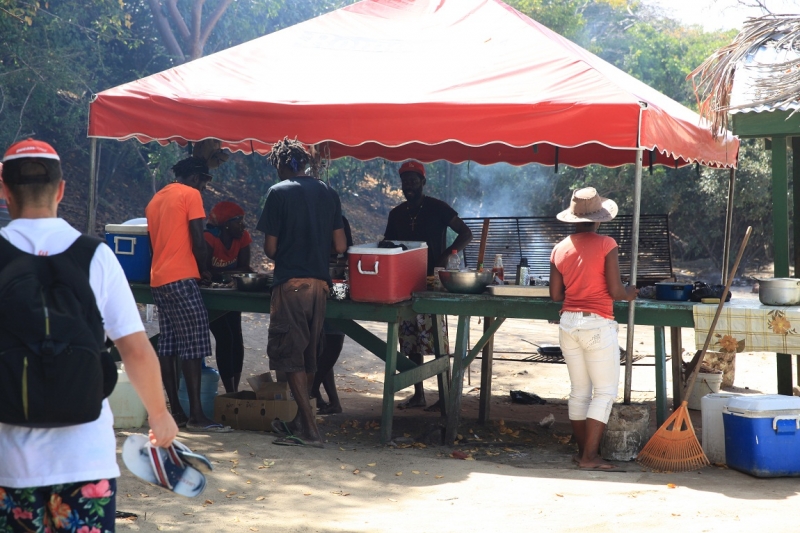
(55, 54)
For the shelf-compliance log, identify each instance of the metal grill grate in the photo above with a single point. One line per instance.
(534, 238)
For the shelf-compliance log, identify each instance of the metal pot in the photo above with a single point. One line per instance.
(779, 291)
(466, 282)
(252, 282)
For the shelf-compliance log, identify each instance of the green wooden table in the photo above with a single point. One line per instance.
(496, 309)
(400, 372)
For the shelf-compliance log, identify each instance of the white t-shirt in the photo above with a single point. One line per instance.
(34, 457)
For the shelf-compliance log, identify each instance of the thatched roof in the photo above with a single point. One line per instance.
(766, 55)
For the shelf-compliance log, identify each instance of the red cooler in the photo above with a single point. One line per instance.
(387, 275)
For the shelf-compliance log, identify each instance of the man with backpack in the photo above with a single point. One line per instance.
(62, 294)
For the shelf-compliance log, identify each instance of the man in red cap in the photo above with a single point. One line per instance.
(422, 218)
(50, 473)
(229, 252)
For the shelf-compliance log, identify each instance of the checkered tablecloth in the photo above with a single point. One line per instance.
(748, 326)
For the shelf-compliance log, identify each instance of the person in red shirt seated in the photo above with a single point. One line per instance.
(584, 274)
(228, 244)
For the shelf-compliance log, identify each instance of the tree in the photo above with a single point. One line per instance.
(185, 35)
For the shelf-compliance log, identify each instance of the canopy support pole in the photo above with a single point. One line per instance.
(90, 217)
(726, 252)
(637, 201)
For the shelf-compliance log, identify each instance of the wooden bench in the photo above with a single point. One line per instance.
(534, 238)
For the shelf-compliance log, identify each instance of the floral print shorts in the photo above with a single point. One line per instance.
(86, 507)
(416, 335)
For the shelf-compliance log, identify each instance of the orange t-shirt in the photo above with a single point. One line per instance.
(581, 260)
(168, 215)
(226, 258)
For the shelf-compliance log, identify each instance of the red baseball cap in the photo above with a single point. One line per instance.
(412, 166)
(30, 148)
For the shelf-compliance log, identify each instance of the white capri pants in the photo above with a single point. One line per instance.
(591, 350)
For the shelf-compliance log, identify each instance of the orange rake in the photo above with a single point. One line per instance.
(674, 446)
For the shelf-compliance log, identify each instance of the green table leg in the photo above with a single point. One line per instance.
(661, 375)
(676, 350)
(784, 374)
(456, 387)
(484, 409)
(443, 379)
(388, 382)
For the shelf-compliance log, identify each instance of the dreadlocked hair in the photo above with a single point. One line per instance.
(289, 153)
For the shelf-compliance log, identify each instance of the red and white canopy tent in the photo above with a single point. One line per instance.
(456, 80)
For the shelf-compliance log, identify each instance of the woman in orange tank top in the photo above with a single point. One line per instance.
(584, 274)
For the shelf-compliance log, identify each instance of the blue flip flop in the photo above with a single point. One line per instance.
(162, 467)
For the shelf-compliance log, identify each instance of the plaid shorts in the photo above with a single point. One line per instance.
(182, 320)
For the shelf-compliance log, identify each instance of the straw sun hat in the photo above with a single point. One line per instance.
(588, 206)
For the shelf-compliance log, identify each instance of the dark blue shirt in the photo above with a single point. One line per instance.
(302, 213)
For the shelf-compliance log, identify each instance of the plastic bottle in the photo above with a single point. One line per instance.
(523, 273)
(498, 270)
(454, 262)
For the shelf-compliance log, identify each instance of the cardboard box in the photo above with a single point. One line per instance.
(266, 389)
(242, 410)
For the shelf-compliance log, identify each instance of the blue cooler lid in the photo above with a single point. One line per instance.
(761, 405)
(127, 229)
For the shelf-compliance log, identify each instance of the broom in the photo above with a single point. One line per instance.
(674, 446)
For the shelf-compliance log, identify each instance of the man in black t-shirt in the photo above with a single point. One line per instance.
(422, 218)
(302, 217)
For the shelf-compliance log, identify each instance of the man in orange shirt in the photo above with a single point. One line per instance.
(175, 220)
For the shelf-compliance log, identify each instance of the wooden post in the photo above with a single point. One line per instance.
(796, 194)
(780, 232)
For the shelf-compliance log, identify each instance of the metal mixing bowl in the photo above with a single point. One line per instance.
(252, 282)
(465, 282)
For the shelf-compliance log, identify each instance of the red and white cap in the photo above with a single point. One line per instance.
(30, 148)
(412, 166)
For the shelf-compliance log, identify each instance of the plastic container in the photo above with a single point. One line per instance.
(453, 261)
(705, 384)
(131, 244)
(711, 406)
(209, 383)
(128, 409)
(676, 292)
(387, 275)
(499, 270)
(523, 272)
(762, 435)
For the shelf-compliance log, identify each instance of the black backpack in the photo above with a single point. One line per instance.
(54, 370)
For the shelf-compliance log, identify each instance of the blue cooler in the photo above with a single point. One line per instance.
(762, 434)
(131, 244)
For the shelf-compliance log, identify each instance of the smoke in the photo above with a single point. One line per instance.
(503, 190)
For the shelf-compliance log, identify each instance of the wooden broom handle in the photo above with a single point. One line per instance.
(732, 273)
(484, 236)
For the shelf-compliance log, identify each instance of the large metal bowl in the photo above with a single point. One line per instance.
(252, 282)
(466, 282)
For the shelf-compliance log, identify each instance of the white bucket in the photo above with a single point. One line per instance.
(705, 384)
(128, 409)
(713, 427)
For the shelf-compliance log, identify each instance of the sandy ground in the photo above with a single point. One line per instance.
(507, 481)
